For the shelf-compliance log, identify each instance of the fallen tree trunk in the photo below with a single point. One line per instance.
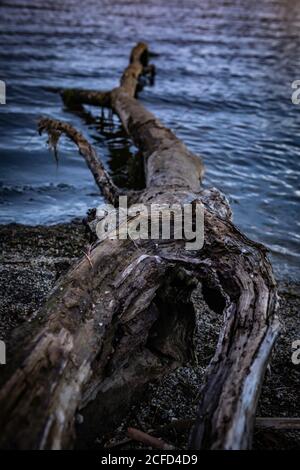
(123, 316)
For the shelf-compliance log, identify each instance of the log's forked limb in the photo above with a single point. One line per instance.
(73, 96)
(103, 180)
(138, 61)
(148, 440)
(76, 97)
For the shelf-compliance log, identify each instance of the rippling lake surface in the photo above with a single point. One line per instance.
(223, 84)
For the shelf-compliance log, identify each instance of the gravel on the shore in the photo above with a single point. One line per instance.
(32, 259)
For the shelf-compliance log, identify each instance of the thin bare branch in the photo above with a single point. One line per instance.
(138, 65)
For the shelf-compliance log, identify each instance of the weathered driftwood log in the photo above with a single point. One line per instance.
(123, 315)
(138, 66)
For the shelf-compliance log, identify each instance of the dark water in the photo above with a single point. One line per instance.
(224, 74)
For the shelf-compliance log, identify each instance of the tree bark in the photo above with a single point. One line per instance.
(123, 316)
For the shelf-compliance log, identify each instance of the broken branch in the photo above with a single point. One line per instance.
(150, 441)
(124, 316)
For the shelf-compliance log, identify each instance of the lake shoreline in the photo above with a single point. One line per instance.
(34, 257)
